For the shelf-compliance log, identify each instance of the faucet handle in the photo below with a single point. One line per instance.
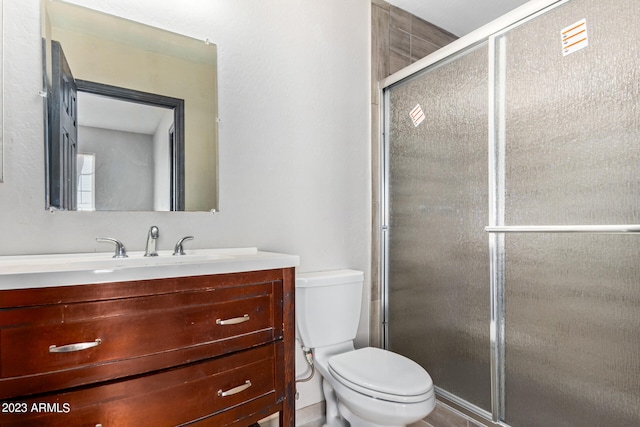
(178, 250)
(121, 252)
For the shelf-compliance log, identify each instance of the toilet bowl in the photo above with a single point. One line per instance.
(376, 387)
(368, 387)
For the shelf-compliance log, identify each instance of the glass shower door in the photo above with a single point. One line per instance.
(572, 323)
(438, 275)
(534, 133)
(572, 158)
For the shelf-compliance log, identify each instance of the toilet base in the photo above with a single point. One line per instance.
(339, 415)
(356, 421)
(332, 417)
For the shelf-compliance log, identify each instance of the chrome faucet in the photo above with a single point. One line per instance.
(179, 250)
(152, 237)
(121, 252)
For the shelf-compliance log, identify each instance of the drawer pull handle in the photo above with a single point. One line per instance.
(235, 390)
(233, 321)
(74, 347)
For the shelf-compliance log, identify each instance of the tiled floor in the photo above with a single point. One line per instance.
(316, 423)
(442, 416)
(445, 416)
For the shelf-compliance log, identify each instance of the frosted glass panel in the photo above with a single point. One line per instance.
(572, 330)
(438, 253)
(572, 122)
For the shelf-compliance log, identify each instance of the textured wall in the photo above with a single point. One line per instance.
(124, 168)
(294, 137)
(294, 166)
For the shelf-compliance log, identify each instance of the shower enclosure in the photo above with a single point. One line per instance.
(512, 212)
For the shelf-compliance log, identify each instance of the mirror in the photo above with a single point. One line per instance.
(131, 114)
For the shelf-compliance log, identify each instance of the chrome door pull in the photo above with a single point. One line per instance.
(233, 321)
(595, 229)
(235, 390)
(74, 347)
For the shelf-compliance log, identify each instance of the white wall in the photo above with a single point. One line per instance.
(294, 137)
(124, 160)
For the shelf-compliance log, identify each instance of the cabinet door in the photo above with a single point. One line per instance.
(224, 389)
(86, 342)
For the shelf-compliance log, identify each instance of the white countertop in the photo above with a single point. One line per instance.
(39, 271)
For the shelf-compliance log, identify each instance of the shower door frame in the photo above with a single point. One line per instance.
(496, 228)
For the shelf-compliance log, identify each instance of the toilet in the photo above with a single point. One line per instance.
(367, 387)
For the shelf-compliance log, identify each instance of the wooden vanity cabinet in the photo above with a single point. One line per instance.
(211, 350)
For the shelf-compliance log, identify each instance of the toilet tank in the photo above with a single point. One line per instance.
(328, 306)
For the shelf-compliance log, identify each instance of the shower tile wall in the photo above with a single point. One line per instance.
(397, 39)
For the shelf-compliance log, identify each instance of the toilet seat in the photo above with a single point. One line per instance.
(382, 374)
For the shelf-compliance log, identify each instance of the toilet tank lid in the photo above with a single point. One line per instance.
(328, 278)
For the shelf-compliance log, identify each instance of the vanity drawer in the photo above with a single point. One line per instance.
(244, 381)
(87, 342)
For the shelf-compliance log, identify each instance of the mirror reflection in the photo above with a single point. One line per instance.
(131, 114)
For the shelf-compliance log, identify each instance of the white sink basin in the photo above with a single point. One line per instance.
(68, 269)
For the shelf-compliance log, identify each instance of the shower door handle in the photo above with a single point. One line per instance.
(597, 229)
